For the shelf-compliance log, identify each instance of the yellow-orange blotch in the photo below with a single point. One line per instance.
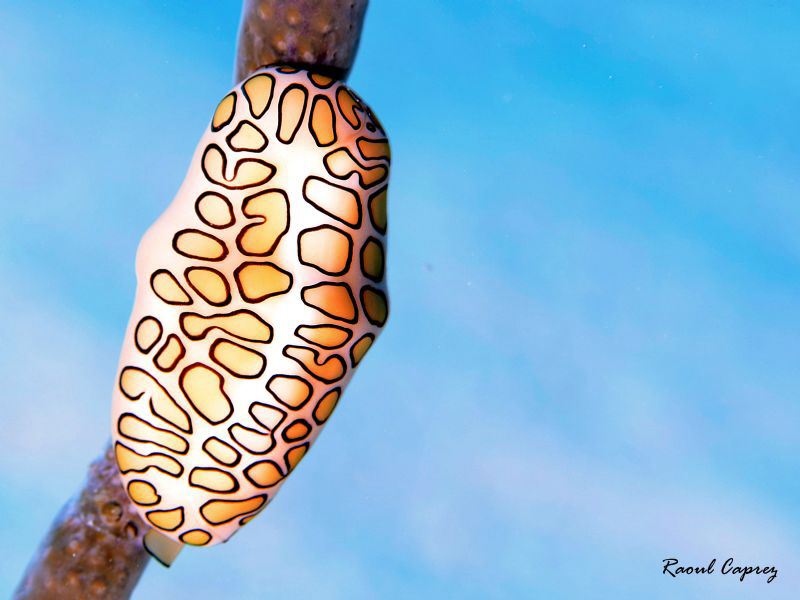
(168, 520)
(170, 353)
(147, 334)
(290, 390)
(349, 107)
(247, 138)
(195, 537)
(196, 244)
(374, 302)
(342, 164)
(214, 210)
(251, 440)
(296, 431)
(360, 348)
(242, 324)
(292, 109)
(329, 370)
(258, 90)
(128, 460)
(259, 281)
(215, 480)
(237, 360)
(247, 172)
(295, 455)
(323, 122)
(374, 149)
(324, 408)
(135, 383)
(324, 336)
(143, 493)
(209, 284)
(134, 428)
(332, 299)
(325, 248)
(372, 259)
(339, 202)
(224, 113)
(269, 417)
(218, 512)
(203, 388)
(221, 451)
(264, 473)
(168, 289)
(272, 210)
(377, 210)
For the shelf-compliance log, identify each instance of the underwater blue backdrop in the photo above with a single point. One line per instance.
(592, 359)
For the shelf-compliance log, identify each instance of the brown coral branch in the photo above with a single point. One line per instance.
(94, 546)
(318, 34)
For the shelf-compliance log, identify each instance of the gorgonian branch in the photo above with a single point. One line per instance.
(93, 548)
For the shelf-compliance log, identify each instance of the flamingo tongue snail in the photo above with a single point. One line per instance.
(259, 291)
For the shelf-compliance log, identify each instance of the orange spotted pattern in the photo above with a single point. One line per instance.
(260, 289)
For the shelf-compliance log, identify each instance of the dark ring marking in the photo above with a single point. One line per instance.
(224, 182)
(355, 107)
(367, 336)
(128, 488)
(256, 465)
(289, 406)
(362, 258)
(286, 91)
(161, 350)
(203, 219)
(357, 223)
(232, 134)
(257, 299)
(300, 422)
(318, 267)
(347, 331)
(304, 445)
(152, 407)
(262, 497)
(147, 441)
(207, 318)
(196, 257)
(251, 430)
(357, 163)
(136, 337)
(320, 85)
(270, 406)
(212, 356)
(315, 413)
(156, 467)
(224, 443)
(185, 534)
(326, 100)
(152, 512)
(234, 489)
(373, 198)
(262, 220)
(228, 120)
(158, 272)
(201, 294)
(188, 397)
(353, 321)
(379, 293)
(250, 100)
(316, 354)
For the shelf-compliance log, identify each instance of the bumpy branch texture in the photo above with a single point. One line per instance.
(94, 546)
(319, 34)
